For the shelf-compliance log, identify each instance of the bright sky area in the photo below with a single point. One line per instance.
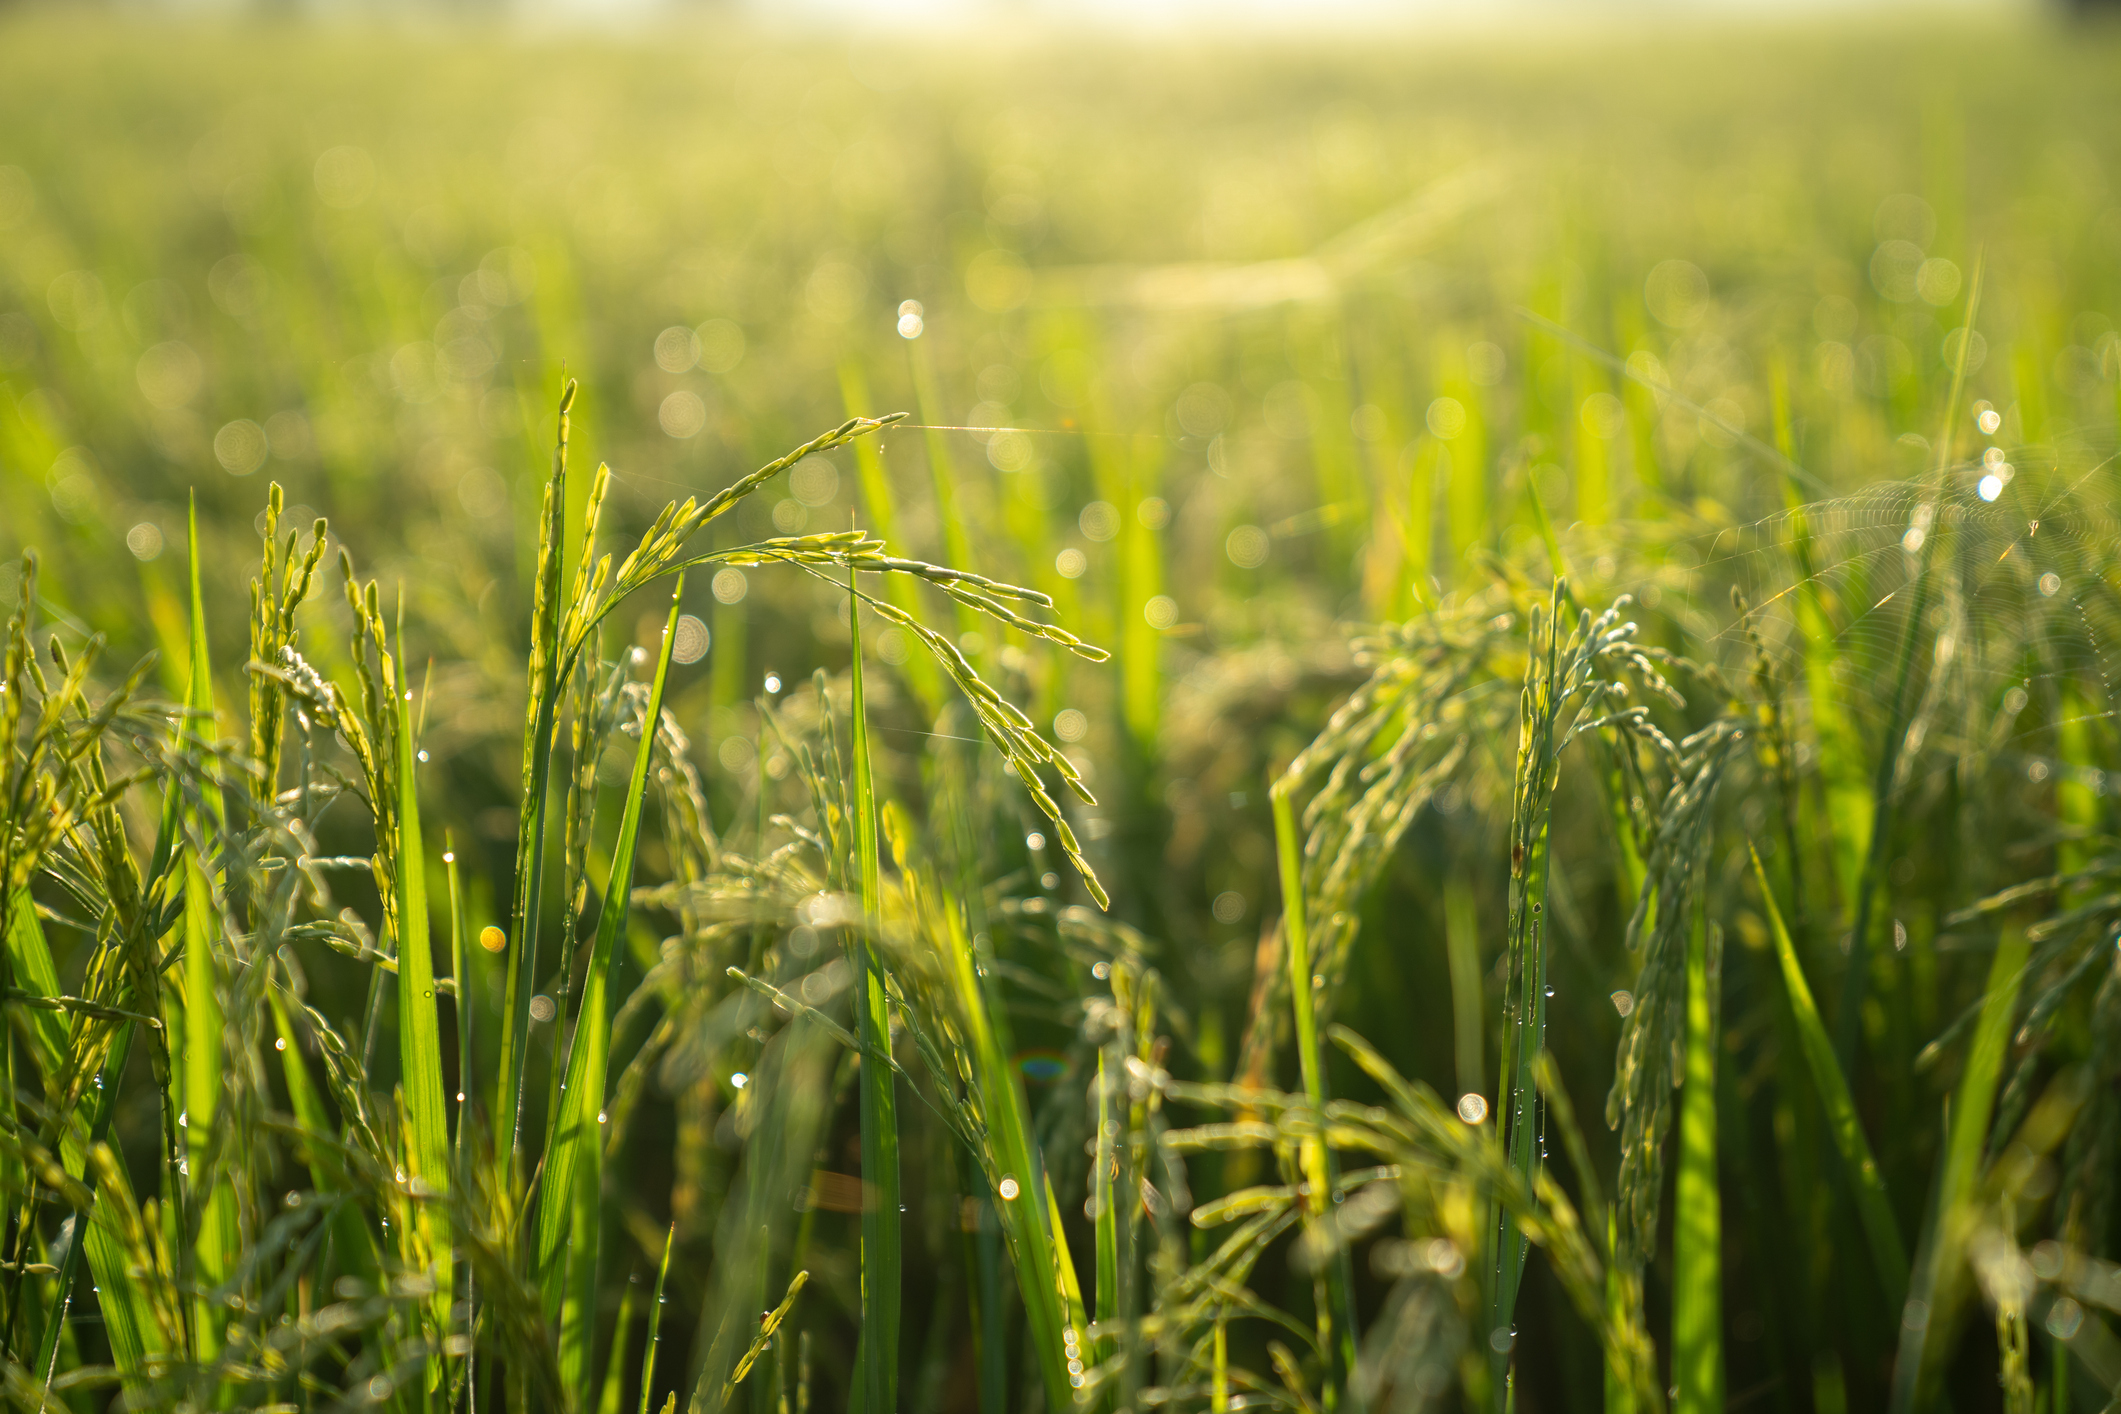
(1224, 14)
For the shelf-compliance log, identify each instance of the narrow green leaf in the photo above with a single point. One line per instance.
(1697, 1225)
(1840, 760)
(655, 1324)
(35, 974)
(419, 1027)
(202, 1094)
(302, 1096)
(1888, 1252)
(574, 1169)
(128, 1323)
(578, 1261)
(128, 1319)
(615, 1365)
(1336, 1315)
(1219, 1395)
(1023, 1201)
(881, 1284)
(1619, 1310)
(351, 1236)
(213, 1254)
(1108, 1216)
(460, 973)
(1940, 1285)
(1524, 996)
(547, 612)
(199, 694)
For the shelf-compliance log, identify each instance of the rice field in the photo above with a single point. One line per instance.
(735, 719)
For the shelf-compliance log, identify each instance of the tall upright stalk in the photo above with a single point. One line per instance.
(1697, 1216)
(1940, 1281)
(1524, 1000)
(1336, 1313)
(880, 1137)
(545, 677)
(419, 1022)
(570, 1194)
(211, 1204)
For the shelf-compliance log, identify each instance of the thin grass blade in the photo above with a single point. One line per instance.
(655, 1323)
(213, 1253)
(574, 1169)
(530, 830)
(1336, 1314)
(1108, 1216)
(1940, 1284)
(1697, 1224)
(1029, 1215)
(419, 1024)
(1880, 1230)
(880, 1137)
(614, 1389)
(34, 973)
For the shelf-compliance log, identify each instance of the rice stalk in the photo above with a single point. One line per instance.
(1336, 1312)
(570, 1190)
(655, 1322)
(881, 1280)
(1697, 1208)
(1568, 685)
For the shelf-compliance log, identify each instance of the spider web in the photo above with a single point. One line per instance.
(2013, 568)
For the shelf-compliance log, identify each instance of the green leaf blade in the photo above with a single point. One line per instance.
(573, 1174)
(419, 1025)
(881, 1257)
(1880, 1230)
(1697, 1226)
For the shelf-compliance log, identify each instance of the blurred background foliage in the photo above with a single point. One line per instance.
(1216, 342)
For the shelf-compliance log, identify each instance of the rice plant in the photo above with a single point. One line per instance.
(1137, 914)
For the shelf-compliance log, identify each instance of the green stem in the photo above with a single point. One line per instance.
(1697, 1225)
(1336, 1315)
(530, 847)
(880, 1137)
